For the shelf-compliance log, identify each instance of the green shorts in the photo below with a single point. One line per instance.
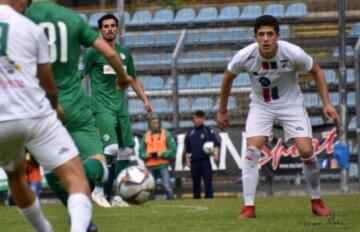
(82, 128)
(114, 129)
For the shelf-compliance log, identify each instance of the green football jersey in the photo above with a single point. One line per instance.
(104, 95)
(66, 32)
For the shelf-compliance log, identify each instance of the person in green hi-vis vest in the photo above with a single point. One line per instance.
(109, 105)
(66, 32)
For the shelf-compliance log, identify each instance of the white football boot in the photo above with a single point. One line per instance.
(117, 201)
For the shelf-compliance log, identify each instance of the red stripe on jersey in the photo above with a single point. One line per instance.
(266, 94)
(265, 65)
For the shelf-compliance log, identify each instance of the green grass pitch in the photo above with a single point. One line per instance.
(219, 215)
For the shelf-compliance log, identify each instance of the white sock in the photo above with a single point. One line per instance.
(250, 174)
(311, 172)
(36, 217)
(98, 190)
(80, 210)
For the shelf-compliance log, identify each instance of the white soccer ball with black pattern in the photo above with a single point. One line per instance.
(135, 184)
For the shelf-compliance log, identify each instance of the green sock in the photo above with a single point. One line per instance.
(94, 170)
(109, 160)
(57, 187)
(121, 165)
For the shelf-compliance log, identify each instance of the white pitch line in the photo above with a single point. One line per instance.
(190, 208)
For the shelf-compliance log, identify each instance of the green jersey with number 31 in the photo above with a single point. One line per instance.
(66, 32)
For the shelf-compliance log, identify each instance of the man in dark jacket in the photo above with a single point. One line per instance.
(200, 144)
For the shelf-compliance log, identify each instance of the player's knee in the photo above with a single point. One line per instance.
(111, 149)
(306, 153)
(252, 156)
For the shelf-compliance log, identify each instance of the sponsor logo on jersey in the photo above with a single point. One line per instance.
(107, 69)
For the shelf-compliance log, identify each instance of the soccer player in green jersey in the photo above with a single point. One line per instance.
(66, 32)
(109, 104)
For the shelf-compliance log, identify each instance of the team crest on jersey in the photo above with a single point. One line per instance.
(107, 69)
(122, 56)
(8, 65)
(106, 137)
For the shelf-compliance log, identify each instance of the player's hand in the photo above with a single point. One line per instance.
(187, 160)
(222, 120)
(60, 112)
(149, 108)
(124, 84)
(216, 158)
(331, 113)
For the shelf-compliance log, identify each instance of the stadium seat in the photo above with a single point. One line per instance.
(202, 103)
(355, 30)
(248, 34)
(216, 80)
(214, 56)
(350, 75)
(206, 15)
(330, 76)
(231, 104)
(184, 105)
(242, 80)
(153, 83)
(316, 121)
(93, 19)
(349, 51)
(193, 36)
(136, 107)
(191, 57)
(296, 10)
(210, 123)
(310, 100)
(233, 34)
(285, 32)
(161, 105)
(144, 39)
(352, 124)
(185, 15)
(140, 17)
(181, 82)
(229, 13)
(351, 99)
(83, 16)
(251, 12)
(167, 125)
(334, 98)
(126, 16)
(163, 16)
(211, 35)
(167, 38)
(147, 59)
(199, 81)
(276, 10)
(186, 124)
(142, 126)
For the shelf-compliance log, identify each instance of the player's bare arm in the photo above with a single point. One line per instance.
(48, 84)
(328, 110)
(222, 116)
(139, 90)
(114, 61)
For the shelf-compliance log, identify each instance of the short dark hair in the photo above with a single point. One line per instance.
(199, 114)
(266, 20)
(106, 17)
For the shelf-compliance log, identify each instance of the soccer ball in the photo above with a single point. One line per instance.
(135, 184)
(208, 148)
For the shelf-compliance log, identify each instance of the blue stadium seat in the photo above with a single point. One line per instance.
(316, 121)
(126, 16)
(334, 98)
(351, 98)
(211, 35)
(285, 32)
(251, 12)
(163, 16)
(161, 105)
(202, 103)
(142, 126)
(206, 14)
(193, 36)
(296, 10)
(93, 19)
(148, 59)
(276, 10)
(210, 123)
(352, 124)
(233, 34)
(215, 56)
(330, 76)
(181, 82)
(185, 15)
(167, 38)
(350, 75)
(199, 81)
(164, 58)
(229, 13)
(231, 104)
(191, 57)
(83, 16)
(144, 39)
(310, 100)
(140, 17)
(186, 124)
(167, 125)
(216, 80)
(248, 34)
(154, 83)
(184, 105)
(349, 51)
(136, 107)
(355, 30)
(242, 80)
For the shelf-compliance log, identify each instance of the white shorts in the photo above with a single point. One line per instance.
(293, 118)
(45, 138)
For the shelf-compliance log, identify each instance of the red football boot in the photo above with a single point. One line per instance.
(319, 208)
(247, 212)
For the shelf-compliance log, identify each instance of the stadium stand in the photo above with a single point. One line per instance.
(93, 19)
(184, 16)
(141, 17)
(229, 13)
(164, 16)
(276, 10)
(251, 12)
(206, 15)
(296, 10)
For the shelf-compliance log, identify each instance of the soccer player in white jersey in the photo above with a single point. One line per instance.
(273, 66)
(28, 121)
